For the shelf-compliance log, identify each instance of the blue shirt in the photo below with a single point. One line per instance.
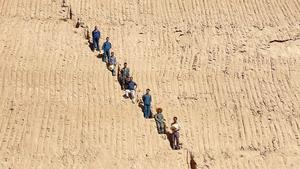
(112, 60)
(131, 85)
(106, 46)
(159, 117)
(147, 99)
(96, 34)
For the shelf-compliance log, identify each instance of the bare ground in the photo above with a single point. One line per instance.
(228, 69)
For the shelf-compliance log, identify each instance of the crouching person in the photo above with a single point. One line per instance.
(160, 121)
(130, 88)
(112, 63)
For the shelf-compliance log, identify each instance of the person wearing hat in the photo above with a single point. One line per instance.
(147, 99)
(160, 121)
(112, 64)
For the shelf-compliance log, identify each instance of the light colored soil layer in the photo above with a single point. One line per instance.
(230, 71)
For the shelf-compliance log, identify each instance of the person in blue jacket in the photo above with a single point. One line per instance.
(147, 99)
(106, 50)
(96, 36)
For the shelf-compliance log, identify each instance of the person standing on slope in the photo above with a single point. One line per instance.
(147, 99)
(106, 50)
(112, 62)
(96, 36)
(125, 73)
(175, 134)
(160, 121)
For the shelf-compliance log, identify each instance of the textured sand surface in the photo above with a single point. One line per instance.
(230, 71)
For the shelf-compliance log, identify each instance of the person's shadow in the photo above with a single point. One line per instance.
(169, 137)
(91, 46)
(99, 56)
(141, 105)
(120, 80)
(125, 97)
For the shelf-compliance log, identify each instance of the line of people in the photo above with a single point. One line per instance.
(129, 87)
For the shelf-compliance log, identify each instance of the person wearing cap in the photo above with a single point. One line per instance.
(175, 127)
(106, 50)
(112, 63)
(96, 36)
(130, 89)
(147, 99)
(160, 121)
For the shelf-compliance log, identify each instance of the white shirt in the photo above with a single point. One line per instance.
(175, 127)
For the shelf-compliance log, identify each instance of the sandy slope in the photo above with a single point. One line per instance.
(229, 70)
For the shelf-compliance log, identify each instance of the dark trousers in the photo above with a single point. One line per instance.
(106, 55)
(96, 43)
(123, 81)
(160, 127)
(147, 111)
(175, 140)
(113, 72)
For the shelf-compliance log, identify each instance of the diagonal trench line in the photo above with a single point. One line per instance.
(190, 159)
(284, 40)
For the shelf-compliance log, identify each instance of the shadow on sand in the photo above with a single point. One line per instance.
(99, 56)
(91, 46)
(169, 137)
